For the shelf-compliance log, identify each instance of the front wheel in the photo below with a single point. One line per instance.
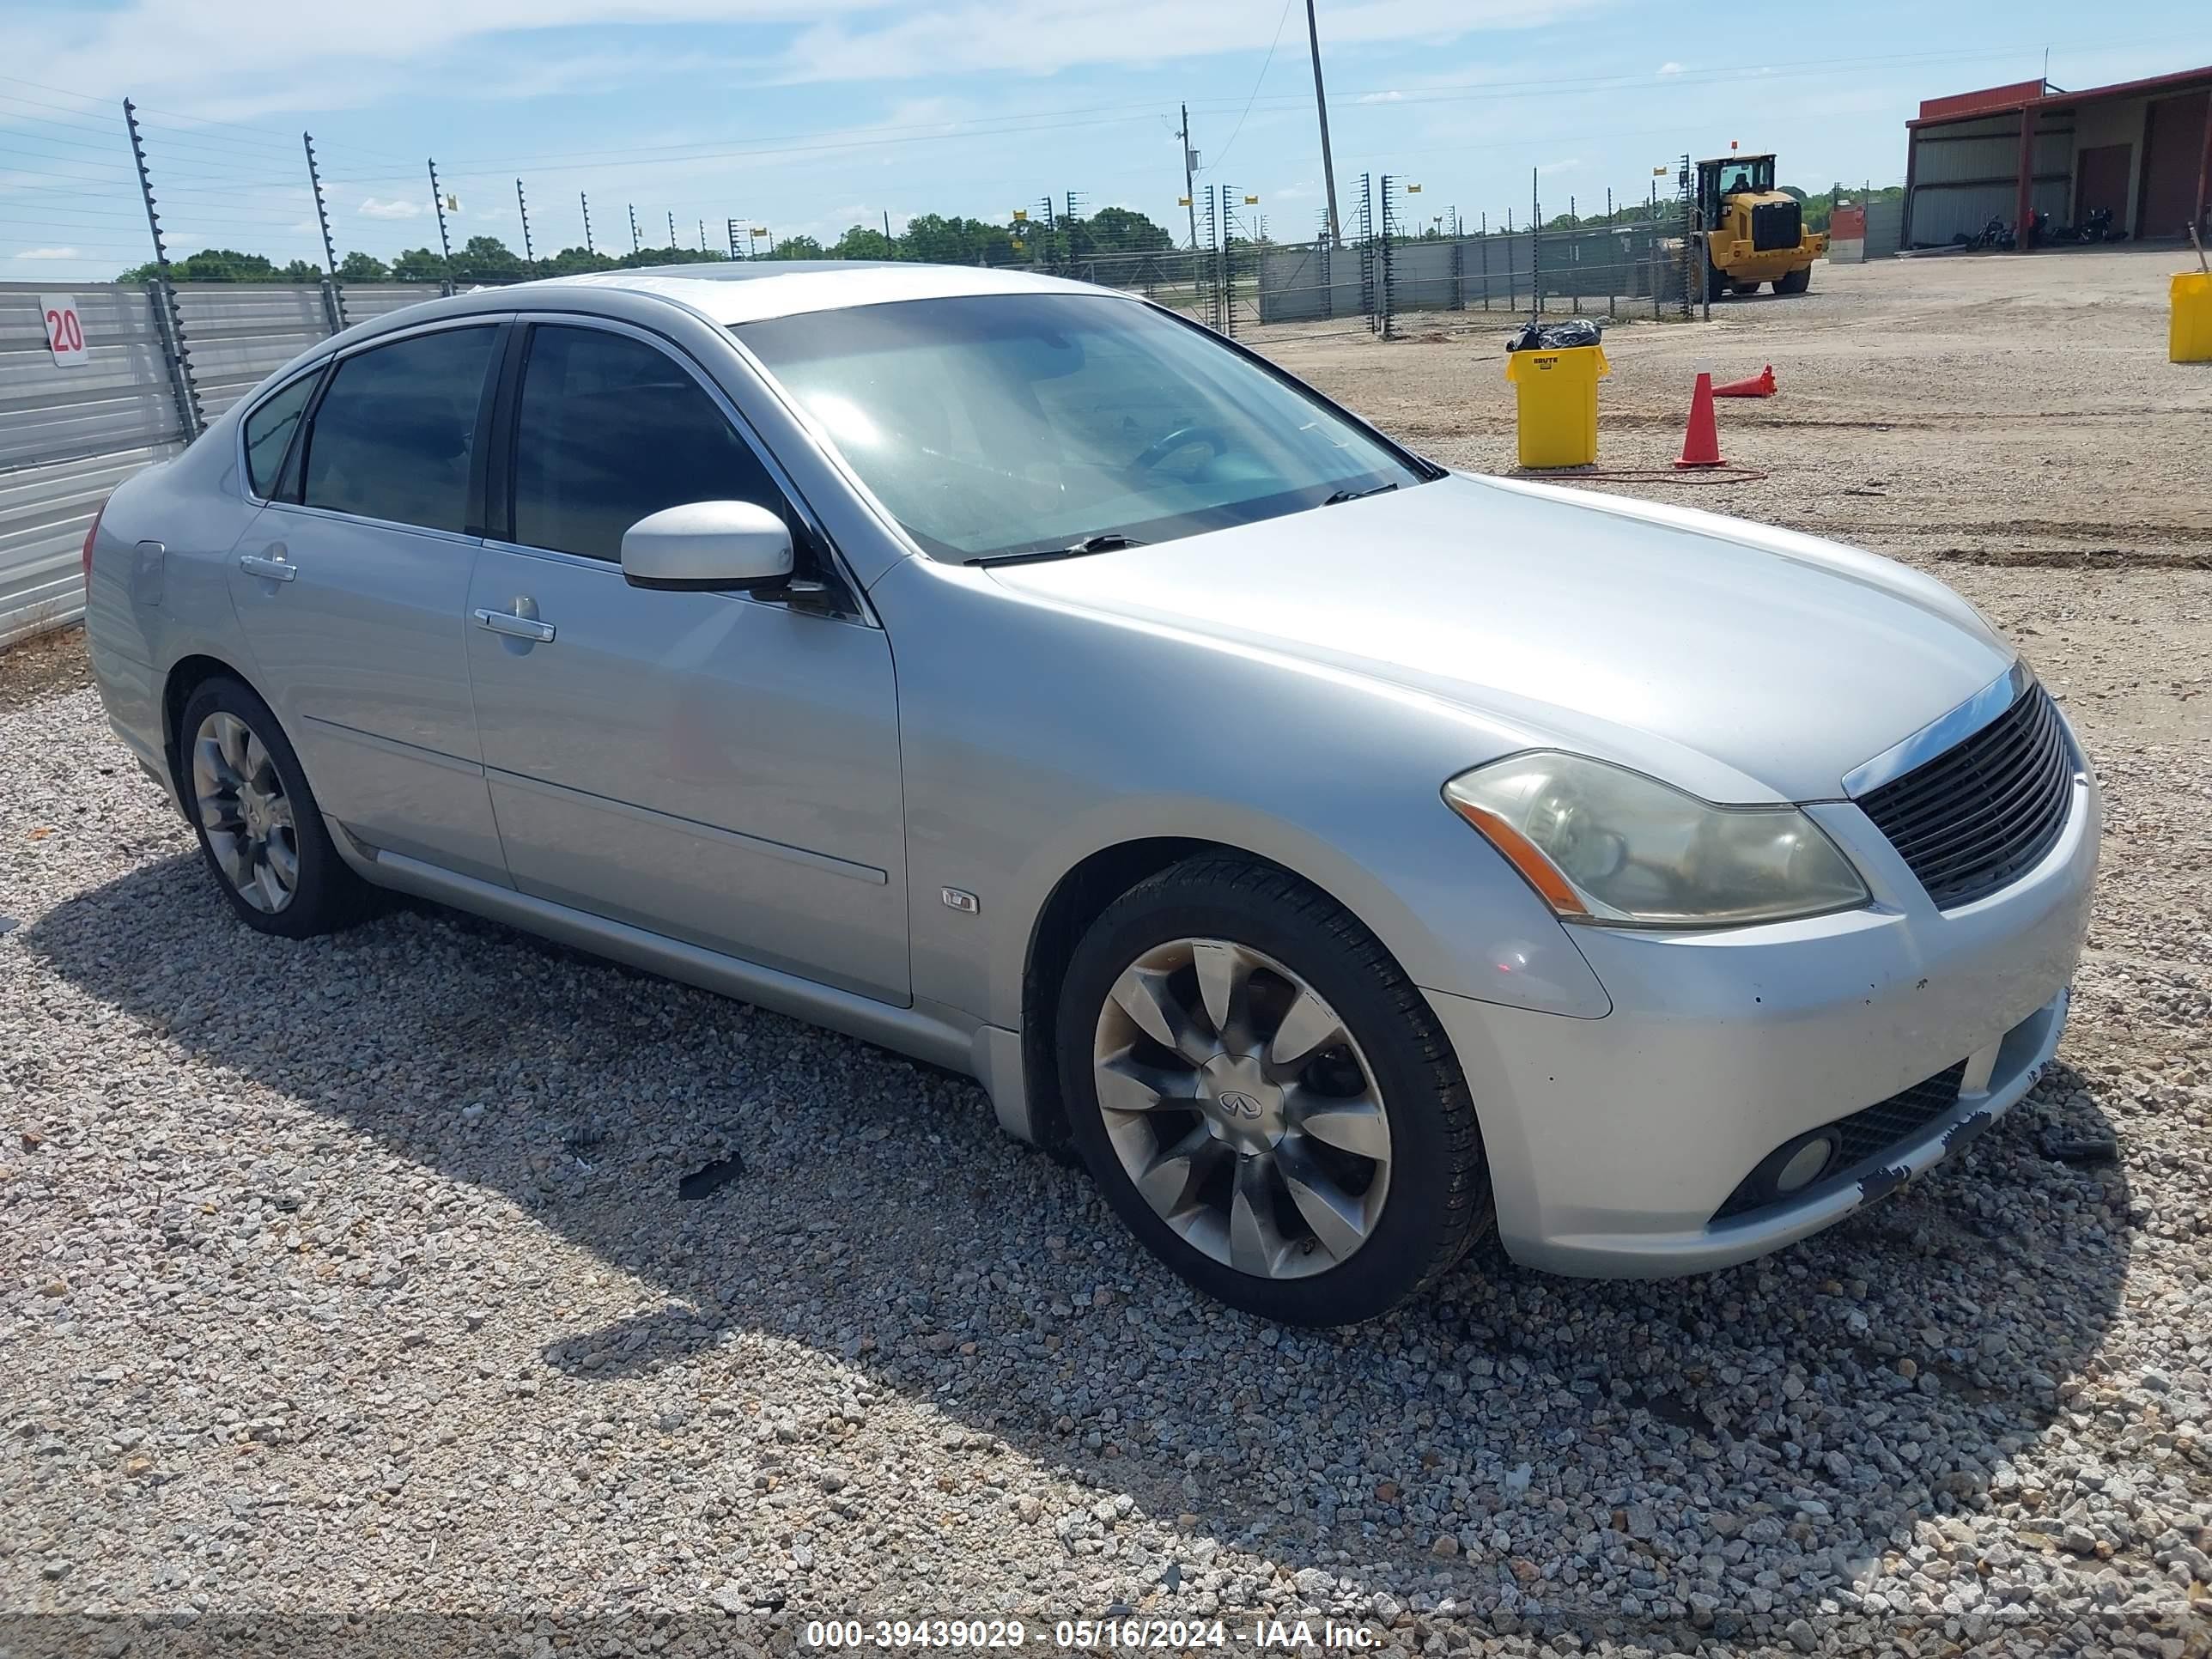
(1795, 283)
(1265, 1098)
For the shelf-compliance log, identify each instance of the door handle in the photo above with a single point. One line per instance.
(519, 628)
(273, 565)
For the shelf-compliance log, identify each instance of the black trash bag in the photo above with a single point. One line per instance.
(1555, 337)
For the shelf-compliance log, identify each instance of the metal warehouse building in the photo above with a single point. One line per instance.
(2143, 148)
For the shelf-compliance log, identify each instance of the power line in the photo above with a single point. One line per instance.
(1265, 63)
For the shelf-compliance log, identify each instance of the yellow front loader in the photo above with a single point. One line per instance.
(1754, 233)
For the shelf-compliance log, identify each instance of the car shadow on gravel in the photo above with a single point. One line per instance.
(1497, 1440)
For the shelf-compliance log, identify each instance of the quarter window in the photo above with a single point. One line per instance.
(609, 430)
(392, 437)
(269, 432)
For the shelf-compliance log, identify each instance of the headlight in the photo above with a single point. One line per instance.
(1604, 844)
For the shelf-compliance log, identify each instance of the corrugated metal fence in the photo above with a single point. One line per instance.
(71, 434)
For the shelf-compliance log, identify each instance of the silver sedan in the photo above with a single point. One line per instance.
(1338, 854)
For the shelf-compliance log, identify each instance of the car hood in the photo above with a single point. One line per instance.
(1741, 662)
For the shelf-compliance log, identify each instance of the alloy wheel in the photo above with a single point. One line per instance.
(1241, 1109)
(242, 807)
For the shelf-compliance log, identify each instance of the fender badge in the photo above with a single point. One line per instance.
(958, 899)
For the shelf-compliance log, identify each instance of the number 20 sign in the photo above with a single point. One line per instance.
(65, 333)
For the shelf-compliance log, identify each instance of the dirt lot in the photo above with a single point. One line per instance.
(351, 1278)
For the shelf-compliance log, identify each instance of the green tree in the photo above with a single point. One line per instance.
(572, 261)
(1125, 230)
(300, 270)
(798, 247)
(488, 259)
(865, 243)
(418, 264)
(359, 267)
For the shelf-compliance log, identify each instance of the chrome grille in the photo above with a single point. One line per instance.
(1980, 815)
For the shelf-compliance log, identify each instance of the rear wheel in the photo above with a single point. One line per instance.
(1265, 1098)
(1743, 287)
(260, 827)
(1795, 283)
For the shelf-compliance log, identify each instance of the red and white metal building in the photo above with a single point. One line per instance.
(2143, 148)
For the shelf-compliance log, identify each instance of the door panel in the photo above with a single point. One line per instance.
(352, 589)
(2173, 148)
(363, 655)
(718, 770)
(2102, 182)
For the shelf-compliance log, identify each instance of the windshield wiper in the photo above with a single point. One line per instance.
(1356, 495)
(1112, 541)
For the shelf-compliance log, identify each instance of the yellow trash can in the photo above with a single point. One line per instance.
(2189, 336)
(1558, 403)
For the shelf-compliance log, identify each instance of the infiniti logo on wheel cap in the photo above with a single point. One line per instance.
(1238, 1105)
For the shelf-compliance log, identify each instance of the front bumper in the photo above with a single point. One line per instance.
(1612, 1142)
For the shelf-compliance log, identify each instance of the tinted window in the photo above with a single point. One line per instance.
(268, 430)
(392, 435)
(611, 430)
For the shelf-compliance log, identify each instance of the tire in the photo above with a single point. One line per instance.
(1795, 283)
(1251, 1169)
(1743, 287)
(1716, 282)
(255, 817)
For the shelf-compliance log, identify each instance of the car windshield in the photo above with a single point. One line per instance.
(1006, 425)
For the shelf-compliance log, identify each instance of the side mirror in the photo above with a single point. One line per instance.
(707, 546)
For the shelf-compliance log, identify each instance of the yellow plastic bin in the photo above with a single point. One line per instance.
(2189, 334)
(1557, 394)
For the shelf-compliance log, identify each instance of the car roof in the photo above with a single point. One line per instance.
(724, 294)
(745, 291)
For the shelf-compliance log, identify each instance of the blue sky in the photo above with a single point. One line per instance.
(812, 115)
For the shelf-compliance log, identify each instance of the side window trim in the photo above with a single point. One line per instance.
(295, 456)
(834, 571)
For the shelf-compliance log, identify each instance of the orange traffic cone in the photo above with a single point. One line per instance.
(1759, 385)
(1701, 443)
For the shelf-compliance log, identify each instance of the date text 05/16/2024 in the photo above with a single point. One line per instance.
(1130, 1634)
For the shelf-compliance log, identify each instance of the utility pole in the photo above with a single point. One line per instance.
(887, 224)
(1190, 166)
(671, 227)
(636, 246)
(438, 201)
(1321, 105)
(702, 236)
(585, 202)
(529, 254)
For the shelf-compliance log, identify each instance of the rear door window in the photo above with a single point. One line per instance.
(608, 431)
(393, 436)
(269, 432)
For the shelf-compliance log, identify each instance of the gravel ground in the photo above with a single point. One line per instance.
(352, 1277)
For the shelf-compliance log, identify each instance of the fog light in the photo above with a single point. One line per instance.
(1804, 1165)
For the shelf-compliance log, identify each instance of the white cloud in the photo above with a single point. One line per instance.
(1670, 67)
(371, 208)
(1567, 166)
(240, 58)
(1392, 96)
(50, 253)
